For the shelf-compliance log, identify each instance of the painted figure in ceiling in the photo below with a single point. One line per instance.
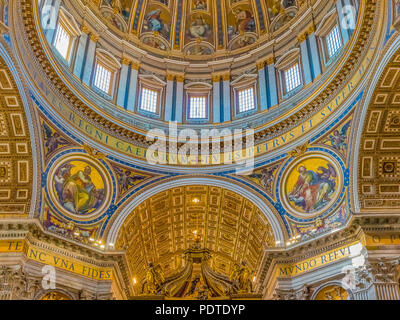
(199, 28)
(53, 140)
(199, 4)
(127, 178)
(313, 189)
(240, 21)
(155, 20)
(112, 18)
(199, 50)
(265, 177)
(76, 191)
(339, 137)
(244, 21)
(122, 7)
(274, 8)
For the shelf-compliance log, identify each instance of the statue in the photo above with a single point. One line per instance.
(240, 278)
(244, 279)
(154, 279)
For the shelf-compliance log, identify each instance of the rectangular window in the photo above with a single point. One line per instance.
(333, 41)
(197, 107)
(62, 41)
(102, 79)
(292, 78)
(246, 100)
(149, 100)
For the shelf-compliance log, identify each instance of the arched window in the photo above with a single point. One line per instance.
(244, 89)
(106, 67)
(66, 33)
(330, 37)
(197, 101)
(198, 107)
(290, 72)
(151, 91)
(149, 100)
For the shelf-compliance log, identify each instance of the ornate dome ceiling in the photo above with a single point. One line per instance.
(197, 29)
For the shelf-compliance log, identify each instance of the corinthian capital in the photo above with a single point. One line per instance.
(385, 269)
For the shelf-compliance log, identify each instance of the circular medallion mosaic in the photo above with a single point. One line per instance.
(311, 185)
(79, 186)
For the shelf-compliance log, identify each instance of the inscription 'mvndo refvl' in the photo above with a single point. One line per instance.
(284, 270)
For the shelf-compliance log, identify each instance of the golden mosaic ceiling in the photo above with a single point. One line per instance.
(161, 229)
(379, 167)
(199, 28)
(15, 149)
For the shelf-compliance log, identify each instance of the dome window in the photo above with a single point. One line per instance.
(246, 100)
(65, 35)
(330, 37)
(292, 78)
(334, 41)
(62, 41)
(198, 107)
(104, 73)
(149, 100)
(103, 78)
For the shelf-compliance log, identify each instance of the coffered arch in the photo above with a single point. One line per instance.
(277, 226)
(378, 157)
(162, 227)
(18, 159)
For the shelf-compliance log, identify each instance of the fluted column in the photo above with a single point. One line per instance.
(226, 83)
(179, 99)
(216, 79)
(377, 280)
(81, 52)
(89, 60)
(262, 85)
(385, 273)
(272, 85)
(132, 86)
(169, 98)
